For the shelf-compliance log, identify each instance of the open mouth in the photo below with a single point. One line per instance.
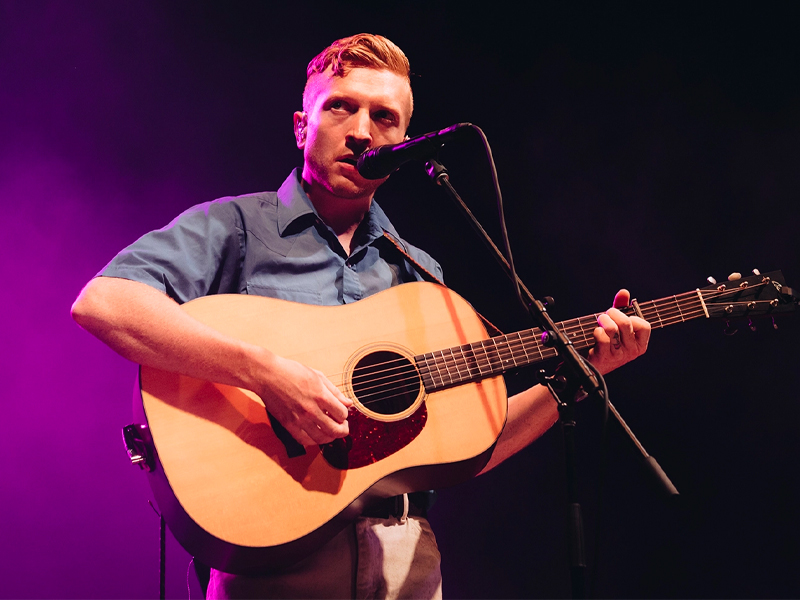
(349, 160)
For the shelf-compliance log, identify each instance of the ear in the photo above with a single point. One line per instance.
(300, 124)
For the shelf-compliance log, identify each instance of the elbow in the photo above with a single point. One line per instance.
(84, 309)
(78, 309)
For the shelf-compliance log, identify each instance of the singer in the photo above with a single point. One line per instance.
(320, 239)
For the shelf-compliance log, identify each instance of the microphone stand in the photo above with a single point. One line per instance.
(580, 376)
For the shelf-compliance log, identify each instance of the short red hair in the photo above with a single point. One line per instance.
(364, 50)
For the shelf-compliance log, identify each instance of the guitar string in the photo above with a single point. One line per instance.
(526, 339)
(513, 347)
(516, 348)
(454, 369)
(474, 362)
(402, 385)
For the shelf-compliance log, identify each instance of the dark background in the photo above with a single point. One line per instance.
(646, 145)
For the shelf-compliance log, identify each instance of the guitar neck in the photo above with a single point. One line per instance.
(494, 356)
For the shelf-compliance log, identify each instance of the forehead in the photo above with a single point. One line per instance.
(377, 88)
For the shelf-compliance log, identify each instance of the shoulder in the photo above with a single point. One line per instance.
(381, 221)
(244, 205)
(425, 259)
(226, 215)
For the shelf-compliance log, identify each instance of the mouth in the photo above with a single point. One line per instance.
(350, 160)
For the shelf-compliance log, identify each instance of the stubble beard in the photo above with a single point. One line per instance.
(346, 189)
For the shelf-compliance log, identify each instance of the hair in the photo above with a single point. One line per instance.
(362, 50)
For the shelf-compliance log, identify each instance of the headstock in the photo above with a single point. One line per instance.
(753, 296)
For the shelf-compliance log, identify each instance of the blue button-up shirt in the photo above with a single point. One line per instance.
(269, 244)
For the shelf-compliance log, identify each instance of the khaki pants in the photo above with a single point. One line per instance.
(371, 558)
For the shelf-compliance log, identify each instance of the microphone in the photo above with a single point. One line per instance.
(380, 162)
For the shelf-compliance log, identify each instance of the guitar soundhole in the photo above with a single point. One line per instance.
(386, 382)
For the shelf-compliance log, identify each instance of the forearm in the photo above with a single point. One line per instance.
(149, 328)
(530, 414)
(618, 340)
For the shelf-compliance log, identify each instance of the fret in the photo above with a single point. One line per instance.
(583, 330)
(438, 366)
(520, 345)
(519, 350)
(535, 341)
(508, 353)
(488, 357)
(703, 303)
(425, 371)
(456, 364)
(433, 368)
(465, 361)
(496, 355)
(689, 307)
(446, 366)
(570, 330)
(453, 367)
(497, 362)
(658, 315)
(478, 361)
(678, 305)
(499, 352)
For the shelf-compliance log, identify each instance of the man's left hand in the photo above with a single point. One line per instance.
(618, 338)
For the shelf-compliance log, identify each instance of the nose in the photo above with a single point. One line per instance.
(361, 130)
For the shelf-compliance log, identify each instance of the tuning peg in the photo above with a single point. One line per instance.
(711, 280)
(774, 324)
(734, 277)
(729, 329)
(756, 272)
(751, 325)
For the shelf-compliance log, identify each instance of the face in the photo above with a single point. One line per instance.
(345, 116)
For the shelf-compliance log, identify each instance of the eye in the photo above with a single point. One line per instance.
(385, 117)
(337, 106)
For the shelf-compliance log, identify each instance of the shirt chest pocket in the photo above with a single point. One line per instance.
(291, 293)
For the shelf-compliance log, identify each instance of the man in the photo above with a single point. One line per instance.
(320, 239)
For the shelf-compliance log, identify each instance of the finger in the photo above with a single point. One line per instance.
(322, 430)
(622, 299)
(337, 394)
(618, 328)
(642, 332)
(321, 436)
(325, 426)
(310, 426)
(609, 326)
(331, 405)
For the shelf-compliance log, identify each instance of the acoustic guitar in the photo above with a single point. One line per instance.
(429, 404)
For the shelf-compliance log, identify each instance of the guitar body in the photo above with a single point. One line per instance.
(239, 498)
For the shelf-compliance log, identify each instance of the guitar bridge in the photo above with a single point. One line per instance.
(136, 438)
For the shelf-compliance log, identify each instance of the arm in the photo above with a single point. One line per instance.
(618, 340)
(147, 327)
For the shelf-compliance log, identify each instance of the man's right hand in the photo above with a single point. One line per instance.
(311, 408)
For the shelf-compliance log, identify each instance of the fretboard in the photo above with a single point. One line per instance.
(494, 356)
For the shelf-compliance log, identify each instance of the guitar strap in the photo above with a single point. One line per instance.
(431, 278)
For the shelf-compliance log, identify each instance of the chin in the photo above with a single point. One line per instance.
(351, 190)
(351, 193)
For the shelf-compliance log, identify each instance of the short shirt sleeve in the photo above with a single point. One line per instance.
(197, 254)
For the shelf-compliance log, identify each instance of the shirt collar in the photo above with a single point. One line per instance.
(294, 204)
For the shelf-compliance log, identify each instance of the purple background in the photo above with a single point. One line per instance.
(637, 146)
